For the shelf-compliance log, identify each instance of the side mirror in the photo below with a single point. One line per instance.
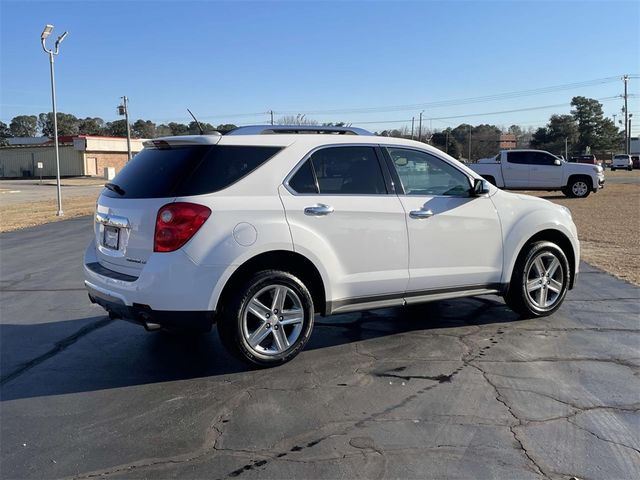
(557, 162)
(480, 187)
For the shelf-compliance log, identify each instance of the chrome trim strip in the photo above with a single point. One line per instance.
(112, 220)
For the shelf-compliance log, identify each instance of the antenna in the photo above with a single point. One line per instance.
(197, 122)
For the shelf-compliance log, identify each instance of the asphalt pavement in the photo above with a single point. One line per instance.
(451, 389)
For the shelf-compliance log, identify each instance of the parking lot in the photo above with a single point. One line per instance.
(452, 389)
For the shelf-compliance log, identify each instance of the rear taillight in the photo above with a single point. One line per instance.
(176, 223)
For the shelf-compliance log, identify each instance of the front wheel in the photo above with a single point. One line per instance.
(580, 187)
(539, 281)
(269, 320)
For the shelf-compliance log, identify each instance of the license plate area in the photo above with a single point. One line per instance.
(111, 238)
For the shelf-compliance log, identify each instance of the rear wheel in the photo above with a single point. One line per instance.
(269, 320)
(539, 281)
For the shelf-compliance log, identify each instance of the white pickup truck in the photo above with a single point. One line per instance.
(539, 170)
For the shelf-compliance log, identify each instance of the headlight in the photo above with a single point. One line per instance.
(597, 169)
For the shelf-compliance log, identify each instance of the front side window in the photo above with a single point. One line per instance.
(340, 171)
(424, 174)
(541, 158)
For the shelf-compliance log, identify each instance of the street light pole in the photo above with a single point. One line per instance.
(420, 127)
(43, 38)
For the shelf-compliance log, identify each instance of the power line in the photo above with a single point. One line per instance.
(437, 104)
(466, 101)
(603, 99)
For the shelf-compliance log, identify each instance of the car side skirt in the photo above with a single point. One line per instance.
(409, 298)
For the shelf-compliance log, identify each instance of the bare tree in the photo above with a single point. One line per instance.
(299, 119)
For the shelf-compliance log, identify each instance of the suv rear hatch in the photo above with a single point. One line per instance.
(128, 207)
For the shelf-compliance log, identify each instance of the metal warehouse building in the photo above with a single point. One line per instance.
(79, 155)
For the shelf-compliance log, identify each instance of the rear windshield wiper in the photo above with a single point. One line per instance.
(114, 188)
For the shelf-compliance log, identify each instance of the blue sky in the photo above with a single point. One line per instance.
(223, 59)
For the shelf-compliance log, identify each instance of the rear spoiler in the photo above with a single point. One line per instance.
(168, 142)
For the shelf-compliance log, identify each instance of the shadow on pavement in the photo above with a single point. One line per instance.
(106, 354)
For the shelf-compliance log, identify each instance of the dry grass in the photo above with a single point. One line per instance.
(608, 227)
(22, 215)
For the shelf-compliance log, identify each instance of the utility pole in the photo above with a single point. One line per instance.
(420, 128)
(123, 109)
(271, 112)
(469, 144)
(627, 132)
(629, 138)
(446, 142)
(566, 149)
(413, 119)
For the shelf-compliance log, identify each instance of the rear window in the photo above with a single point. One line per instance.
(621, 157)
(187, 170)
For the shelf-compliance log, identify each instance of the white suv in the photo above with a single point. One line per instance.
(621, 161)
(262, 228)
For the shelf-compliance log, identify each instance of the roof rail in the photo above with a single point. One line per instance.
(295, 129)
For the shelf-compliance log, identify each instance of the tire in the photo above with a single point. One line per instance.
(491, 180)
(613, 169)
(630, 168)
(580, 187)
(247, 327)
(539, 281)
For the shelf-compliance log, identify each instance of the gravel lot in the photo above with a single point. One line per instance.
(609, 224)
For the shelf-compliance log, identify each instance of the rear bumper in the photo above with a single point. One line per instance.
(147, 317)
(170, 291)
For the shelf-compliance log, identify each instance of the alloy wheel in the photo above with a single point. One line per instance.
(272, 320)
(579, 188)
(544, 280)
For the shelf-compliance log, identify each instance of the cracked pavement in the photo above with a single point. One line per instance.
(452, 389)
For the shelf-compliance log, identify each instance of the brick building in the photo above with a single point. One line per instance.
(507, 141)
(80, 155)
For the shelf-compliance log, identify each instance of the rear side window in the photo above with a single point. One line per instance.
(340, 171)
(518, 157)
(183, 171)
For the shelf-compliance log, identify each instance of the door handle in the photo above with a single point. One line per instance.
(318, 210)
(420, 213)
